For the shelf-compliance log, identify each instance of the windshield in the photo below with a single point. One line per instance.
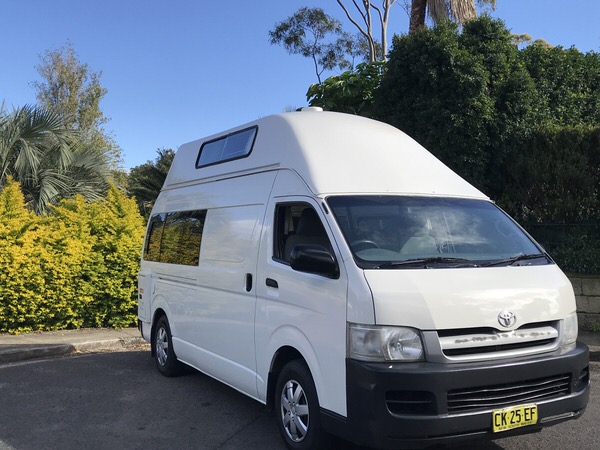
(416, 232)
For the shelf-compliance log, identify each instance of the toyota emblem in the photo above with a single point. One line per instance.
(507, 319)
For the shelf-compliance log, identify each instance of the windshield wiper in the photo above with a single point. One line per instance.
(425, 262)
(516, 258)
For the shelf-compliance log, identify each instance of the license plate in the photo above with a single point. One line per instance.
(514, 417)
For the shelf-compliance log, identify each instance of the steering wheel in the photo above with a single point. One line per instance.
(362, 244)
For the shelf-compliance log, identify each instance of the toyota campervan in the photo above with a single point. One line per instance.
(331, 268)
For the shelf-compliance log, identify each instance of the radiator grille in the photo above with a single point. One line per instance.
(462, 400)
(411, 402)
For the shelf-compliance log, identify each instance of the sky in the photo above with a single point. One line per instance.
(179, 70)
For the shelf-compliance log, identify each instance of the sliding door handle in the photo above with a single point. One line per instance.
(248, 282)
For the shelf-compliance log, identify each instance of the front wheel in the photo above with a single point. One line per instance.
(162, 346)
(297, 408)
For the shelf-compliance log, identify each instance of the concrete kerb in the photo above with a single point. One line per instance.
(16, 348)
(592, 340)
(594, 353)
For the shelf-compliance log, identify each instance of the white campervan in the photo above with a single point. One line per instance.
(328, 266)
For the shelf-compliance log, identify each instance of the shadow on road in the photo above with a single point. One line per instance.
(119, 400)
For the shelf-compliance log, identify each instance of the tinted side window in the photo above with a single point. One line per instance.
(155, 232)
(191, 237)
(175, 238)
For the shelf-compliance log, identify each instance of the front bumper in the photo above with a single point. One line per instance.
(393, 405)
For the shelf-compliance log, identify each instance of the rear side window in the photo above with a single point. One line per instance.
(153, 237)
(175, 238)
(227, 148)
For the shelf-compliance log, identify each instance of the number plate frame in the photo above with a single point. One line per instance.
(514, 417)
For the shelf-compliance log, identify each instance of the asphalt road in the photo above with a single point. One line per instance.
(118, 400)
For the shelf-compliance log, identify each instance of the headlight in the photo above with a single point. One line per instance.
(383, 343)
(569, 329)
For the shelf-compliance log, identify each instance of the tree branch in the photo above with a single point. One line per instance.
(367, 19)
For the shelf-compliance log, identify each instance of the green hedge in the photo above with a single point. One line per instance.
(521, 125)
(575, 246)
(76, 267)
(554, 191)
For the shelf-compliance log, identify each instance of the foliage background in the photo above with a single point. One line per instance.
(521, 124)
(75, 267)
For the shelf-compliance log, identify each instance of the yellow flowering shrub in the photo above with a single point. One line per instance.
(21, 281)
(76, 267)
(117, 231)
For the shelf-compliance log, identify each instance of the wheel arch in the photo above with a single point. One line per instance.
(281, 357)
(158, 313)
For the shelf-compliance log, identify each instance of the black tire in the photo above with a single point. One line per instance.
(162, 347)
(297, 408)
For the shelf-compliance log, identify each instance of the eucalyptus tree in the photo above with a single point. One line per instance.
(312, 33)
(366, 9)
(41, 151)
(72, 89)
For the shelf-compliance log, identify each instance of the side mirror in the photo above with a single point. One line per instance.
(314, 259)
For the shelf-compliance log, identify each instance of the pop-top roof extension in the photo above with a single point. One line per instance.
(333, 153)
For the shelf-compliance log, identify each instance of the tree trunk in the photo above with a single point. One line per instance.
(366, 17)
(417, 15)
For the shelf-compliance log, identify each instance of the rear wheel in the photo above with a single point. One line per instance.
(297, 408)
(162, 345)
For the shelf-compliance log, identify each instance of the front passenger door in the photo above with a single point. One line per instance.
(302, 309)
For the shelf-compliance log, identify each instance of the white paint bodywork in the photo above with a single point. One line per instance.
(469, 298)
(231, 334)
(333, 154)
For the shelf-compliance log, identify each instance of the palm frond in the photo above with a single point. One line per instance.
(462, 10)
(437, 10)
(43, 153)
(458, 10)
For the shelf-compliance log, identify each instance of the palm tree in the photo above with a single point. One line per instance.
(146, 181)
(458, 10)
(41, 152)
